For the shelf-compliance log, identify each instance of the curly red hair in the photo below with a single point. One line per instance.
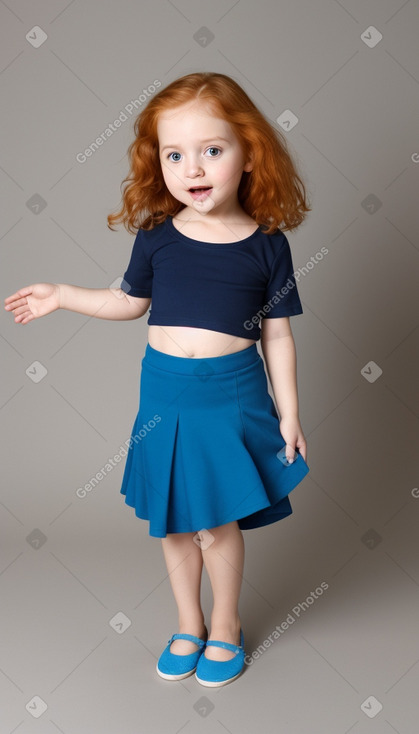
(273, 193)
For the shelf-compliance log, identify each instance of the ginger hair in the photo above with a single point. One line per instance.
(273, 193)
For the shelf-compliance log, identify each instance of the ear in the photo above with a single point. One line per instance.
(248, 166)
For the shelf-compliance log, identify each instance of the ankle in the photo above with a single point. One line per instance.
(226, 629)
(192, 624)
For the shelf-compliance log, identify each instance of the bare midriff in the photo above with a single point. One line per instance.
(188, 341)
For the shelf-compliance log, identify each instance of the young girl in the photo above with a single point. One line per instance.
(210, 185)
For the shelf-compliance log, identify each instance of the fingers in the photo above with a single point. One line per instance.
(18, 307)
(293, 449)
(303, 453)
(24, 318)
(18, 303)
(22, 314)
(303, 450)
(22, 292)
(12, 305)
(22, 309)
(289, 452)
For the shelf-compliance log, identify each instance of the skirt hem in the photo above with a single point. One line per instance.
(245, 522)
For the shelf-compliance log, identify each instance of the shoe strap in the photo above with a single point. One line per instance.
(185, 636)
(225, 645)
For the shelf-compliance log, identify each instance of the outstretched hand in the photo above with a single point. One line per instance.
(33, 301)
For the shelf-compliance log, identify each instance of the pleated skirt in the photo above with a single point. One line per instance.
(205, 447)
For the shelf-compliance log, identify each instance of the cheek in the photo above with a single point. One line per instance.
(229, 171)
(228, 175)
(169, 177)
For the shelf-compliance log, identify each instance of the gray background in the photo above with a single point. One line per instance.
(70, 565)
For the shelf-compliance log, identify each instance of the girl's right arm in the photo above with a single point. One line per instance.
(41, 299)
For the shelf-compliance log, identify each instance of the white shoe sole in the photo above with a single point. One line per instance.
(217, 684)
(168, 676)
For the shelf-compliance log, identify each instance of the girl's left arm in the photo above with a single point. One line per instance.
(279, 352)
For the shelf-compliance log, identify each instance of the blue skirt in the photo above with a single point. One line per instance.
(203, 449)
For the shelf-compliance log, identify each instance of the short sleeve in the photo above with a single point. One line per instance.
(281, 295)
(138, 277)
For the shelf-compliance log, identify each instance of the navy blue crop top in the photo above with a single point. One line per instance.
(226, 287)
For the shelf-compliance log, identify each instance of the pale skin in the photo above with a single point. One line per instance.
(217, 217)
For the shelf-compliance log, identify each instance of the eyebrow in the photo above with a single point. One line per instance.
(209, 140)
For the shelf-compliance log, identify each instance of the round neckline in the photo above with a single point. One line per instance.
(191, 240)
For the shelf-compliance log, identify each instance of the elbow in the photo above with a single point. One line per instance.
(135, 313)
(135, 307)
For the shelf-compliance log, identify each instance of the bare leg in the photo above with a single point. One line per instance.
(184, 564)
(224, 561)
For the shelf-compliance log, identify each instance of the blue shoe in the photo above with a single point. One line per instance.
(213, 673)
(176, 667)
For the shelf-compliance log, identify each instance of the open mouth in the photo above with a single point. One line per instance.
(200, 193)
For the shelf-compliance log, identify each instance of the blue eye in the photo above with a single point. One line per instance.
(179, 154)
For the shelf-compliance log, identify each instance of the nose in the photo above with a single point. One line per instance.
(193, 166)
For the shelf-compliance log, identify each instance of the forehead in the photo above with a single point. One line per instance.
(192, 120)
